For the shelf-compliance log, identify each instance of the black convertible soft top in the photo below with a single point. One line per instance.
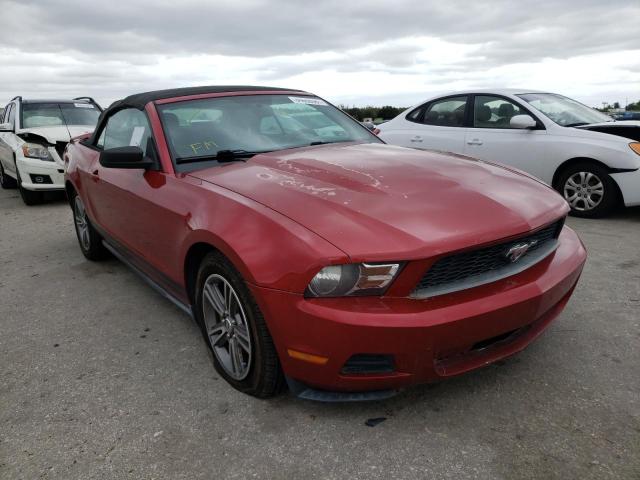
(139, 100)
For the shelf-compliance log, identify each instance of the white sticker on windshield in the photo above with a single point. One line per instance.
(83, 105)
(136, 137)
(307, 100)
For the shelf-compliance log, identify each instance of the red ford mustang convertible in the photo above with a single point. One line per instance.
(311, 253)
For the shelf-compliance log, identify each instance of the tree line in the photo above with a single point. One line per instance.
(385, 113)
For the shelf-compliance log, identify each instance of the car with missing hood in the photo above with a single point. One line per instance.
(311, 253)
(33, 136)
(592, 160)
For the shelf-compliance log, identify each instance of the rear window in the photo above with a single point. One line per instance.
(34, 115)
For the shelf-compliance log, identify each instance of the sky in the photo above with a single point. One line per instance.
(350, 52)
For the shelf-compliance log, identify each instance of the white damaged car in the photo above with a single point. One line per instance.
(33, 136)
(592, 160)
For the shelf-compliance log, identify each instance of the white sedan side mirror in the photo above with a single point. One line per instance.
(522, 121)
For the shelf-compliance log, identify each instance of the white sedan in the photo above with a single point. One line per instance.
(592, 160)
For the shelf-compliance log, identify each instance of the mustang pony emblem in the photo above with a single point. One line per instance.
(516, 252)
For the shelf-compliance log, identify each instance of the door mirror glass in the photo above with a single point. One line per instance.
(522, 121)
(124, 157)
(6, 127)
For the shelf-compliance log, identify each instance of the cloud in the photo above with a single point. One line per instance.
(358, 51)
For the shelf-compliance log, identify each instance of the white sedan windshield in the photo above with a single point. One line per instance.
(56, 114)
(563, 110)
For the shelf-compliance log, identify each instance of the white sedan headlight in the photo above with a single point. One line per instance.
(352, 279)
(35, 150)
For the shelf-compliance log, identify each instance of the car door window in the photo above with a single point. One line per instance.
(126, 128)
(494, 112)
(447, 112)
(415, 115)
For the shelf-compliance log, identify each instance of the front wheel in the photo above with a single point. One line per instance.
(235, 330)
(89, 239)
(6, 181)
(589, 190)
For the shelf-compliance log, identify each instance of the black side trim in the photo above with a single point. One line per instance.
(153, 284)
(158, 280)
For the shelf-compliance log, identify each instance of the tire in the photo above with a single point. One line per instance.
(29, 197)
(89, 239)
(239, 323)
(6, 181)
(589, 190)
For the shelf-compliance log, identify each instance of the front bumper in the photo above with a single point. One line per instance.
(31, 170)
(429, 339)
(629, 183)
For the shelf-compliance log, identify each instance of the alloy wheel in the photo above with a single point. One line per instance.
(82, 224)
(584, 191)
(226, 326)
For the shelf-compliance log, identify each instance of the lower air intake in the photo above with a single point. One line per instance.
(364, 363)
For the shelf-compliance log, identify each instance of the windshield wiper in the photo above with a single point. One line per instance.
(326, 143)
(221, 156)
(577, 124)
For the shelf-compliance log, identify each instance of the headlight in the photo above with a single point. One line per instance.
(352, 279)
(635, 146)
(35, 150)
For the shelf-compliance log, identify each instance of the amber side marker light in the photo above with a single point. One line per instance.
(635, 147)
(307, 357)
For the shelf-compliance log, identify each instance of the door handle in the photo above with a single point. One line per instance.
(417, 138)
(475, 141)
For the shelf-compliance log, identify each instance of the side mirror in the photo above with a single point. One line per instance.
(522, 121)
(6, 127)
(125, 157)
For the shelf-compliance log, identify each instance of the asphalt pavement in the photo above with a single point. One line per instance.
(102, 378)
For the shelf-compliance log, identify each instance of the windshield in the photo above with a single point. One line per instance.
(199, 129)
(53, 114)
(564, 111)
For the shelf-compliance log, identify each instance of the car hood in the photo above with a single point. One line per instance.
(615, 123)
(57, 133)
(628, 129)
(381, 202)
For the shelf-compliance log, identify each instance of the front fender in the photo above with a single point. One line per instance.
(268, 249)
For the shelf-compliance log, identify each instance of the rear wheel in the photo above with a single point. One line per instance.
(589, 190)
(90, 241)
(29, 197)
(6, 181)
(235, 330)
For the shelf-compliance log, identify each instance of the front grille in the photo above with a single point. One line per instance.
(60, 146)
(476, 267)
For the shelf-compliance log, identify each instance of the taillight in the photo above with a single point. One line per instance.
(376, 131)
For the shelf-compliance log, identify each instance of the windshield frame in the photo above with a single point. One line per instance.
(598, 116)
(208, 161)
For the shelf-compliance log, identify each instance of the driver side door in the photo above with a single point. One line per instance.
(490, 136)
(126, 202)
(8, 141)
